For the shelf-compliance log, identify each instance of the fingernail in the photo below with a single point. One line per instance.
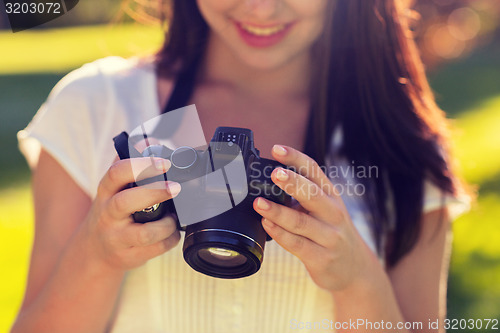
(266, 223)
(162, 164)
(280, 150)
(173, 187)
(263, 204)
(281, 175)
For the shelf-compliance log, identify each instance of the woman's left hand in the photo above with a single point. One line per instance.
(323, 238)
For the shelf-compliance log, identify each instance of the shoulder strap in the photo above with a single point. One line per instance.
(183, 87)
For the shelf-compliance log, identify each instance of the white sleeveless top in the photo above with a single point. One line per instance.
(85, 110)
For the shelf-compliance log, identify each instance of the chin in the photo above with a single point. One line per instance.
(264, 62)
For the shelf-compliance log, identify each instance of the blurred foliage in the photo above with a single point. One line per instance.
(449, 29)
(52, 46)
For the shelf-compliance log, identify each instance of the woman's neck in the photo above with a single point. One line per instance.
(222, 66)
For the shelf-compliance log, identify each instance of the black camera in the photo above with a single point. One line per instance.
(224, 236)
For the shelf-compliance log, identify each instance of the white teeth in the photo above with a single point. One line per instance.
(263, 31)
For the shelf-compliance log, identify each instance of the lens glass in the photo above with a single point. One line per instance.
(222, 257)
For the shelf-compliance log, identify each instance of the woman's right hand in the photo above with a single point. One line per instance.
(115, 239)
(83, 247)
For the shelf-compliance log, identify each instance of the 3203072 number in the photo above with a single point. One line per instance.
(462, 324)
(33, 8)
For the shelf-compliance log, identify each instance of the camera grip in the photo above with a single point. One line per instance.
(262, 185)
(155, 212)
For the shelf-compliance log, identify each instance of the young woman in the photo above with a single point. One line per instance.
(331, 83)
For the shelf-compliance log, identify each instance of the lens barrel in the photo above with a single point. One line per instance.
(228, 246)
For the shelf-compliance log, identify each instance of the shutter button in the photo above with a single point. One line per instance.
(183, 157)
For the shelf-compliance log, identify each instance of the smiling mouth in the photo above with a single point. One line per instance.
(263, 31)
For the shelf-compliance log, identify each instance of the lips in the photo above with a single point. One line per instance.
(263, 36)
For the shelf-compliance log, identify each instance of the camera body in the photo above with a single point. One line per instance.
(219, 182)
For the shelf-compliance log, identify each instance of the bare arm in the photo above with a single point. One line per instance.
(338, 260)
(414, 291)
(420, 279)
(82, 248)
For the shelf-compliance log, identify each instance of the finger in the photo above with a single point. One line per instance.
(295, 222)
(308, 194)
(128, 171)
(141, 145)
(164, 245)
(302, 247)
(305, 166)
(135, 199)
(298, 207)
(142, 235)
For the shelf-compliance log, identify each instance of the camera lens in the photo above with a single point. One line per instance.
(228, 246)
(222, 257)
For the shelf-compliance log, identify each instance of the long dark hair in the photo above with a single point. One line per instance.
(370, 81)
